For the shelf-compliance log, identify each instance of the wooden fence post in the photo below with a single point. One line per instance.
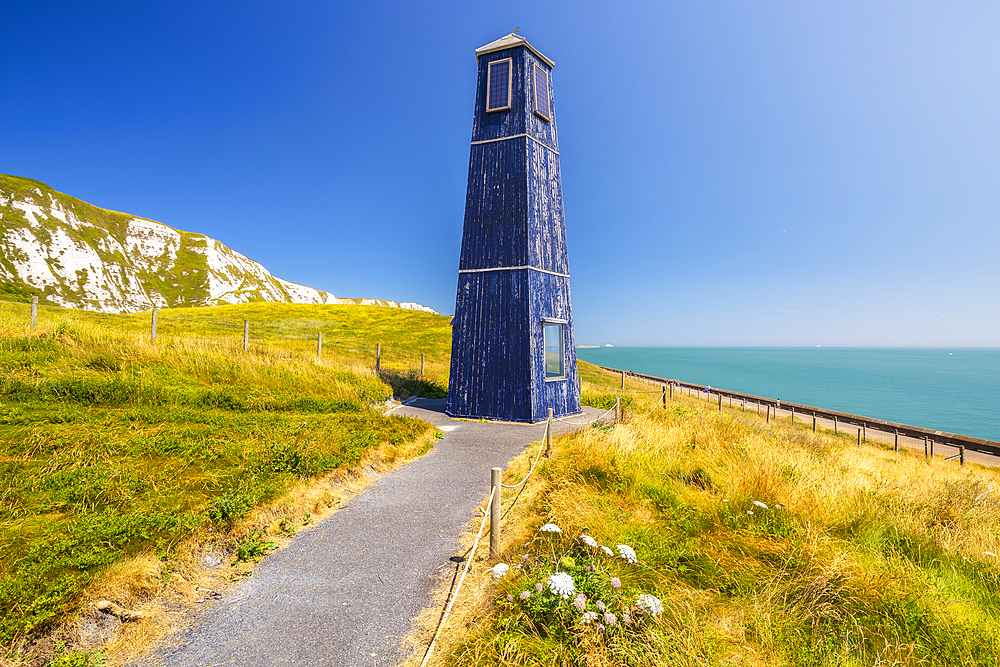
(421, 364)
(768, 408)
(720, 401)
(548, 434)
(378, 356)
(814, 422)
(932, 450)
(34, 312)
(835, 424)
(925, 446)
(793, 415)
(152, 327)
(623, 379)
(895, 446)
(246, 334)
(664, 397)
(859, 436)
(495, 476)
(618, 410)
(961, 454)
(671, 391)
(864, 433)
(319, 345)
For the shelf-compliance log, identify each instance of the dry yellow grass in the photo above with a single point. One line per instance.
(863, 555)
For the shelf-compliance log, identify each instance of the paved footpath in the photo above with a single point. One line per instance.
(346, 591)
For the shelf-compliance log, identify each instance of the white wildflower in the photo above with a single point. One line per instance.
(760, 504)
(499, 570)
(627, 553)
(562, 585)
(607, 550)
(550, 528)
(649, 604)
(589, 617)
(589, 541)
(610, 619)
(750, 512)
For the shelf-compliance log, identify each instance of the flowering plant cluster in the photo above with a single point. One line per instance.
(568, 586)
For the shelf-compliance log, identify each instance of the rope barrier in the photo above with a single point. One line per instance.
(627, 391)
(537, 456)
(451, 601)
(586, 423)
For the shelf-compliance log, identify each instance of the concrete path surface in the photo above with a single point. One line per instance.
(346, 591)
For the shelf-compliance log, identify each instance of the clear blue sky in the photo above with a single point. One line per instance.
(734, 173)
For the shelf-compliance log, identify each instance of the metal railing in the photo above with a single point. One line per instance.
(929, 436)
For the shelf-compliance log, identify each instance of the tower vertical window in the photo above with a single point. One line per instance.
(553, 335)
(498, 80)
(540, 82)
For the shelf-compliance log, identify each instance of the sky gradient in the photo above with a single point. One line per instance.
(733, 173)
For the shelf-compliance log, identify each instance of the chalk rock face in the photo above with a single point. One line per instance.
(77, 255)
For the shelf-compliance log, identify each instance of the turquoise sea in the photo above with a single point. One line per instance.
(956, 390)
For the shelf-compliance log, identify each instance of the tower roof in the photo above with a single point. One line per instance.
(506, 42)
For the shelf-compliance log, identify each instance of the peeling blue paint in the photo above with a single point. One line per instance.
(514, 267)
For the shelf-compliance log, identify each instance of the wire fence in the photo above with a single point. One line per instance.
(331, 340)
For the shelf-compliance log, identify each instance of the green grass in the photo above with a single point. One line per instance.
(112, 447)
(862, 556)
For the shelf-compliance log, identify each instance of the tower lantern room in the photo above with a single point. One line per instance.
(512, 352)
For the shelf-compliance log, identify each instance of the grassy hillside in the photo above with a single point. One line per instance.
(90, 257)
(111, 446)
(765, 544)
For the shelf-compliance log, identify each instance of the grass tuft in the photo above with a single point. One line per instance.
(767, 544)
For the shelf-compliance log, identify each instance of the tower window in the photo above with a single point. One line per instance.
(498, 80)
(540, 79)
(553, 335)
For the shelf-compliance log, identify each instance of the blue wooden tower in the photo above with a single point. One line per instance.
(512, 353)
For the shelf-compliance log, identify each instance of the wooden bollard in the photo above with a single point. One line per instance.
(152, 326)
(548, 434)
(246, 334)
(895, 444)
(961, 454)
(814, 422)
(835, 424)
(34, 312)
(495, 477)
(319, 345)
(720, 401)
(378, 356)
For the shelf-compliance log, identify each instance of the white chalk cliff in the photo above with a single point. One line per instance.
(77, 255)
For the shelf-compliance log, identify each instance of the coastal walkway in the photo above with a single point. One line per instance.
(346, 591)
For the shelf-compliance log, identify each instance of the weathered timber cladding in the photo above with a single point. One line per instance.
(513, 244)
